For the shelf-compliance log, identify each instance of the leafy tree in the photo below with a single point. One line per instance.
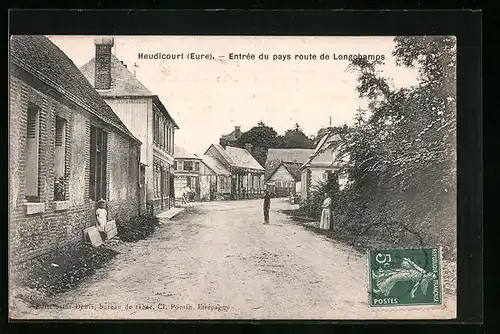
(261, 137)
(294, 138)
(401, 149)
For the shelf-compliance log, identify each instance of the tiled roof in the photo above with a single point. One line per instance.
(294, 155)
(43, 59)
(215, 165)
(123, 82)
(230, 137)
(240, 157)
(182, 153)
(323, 156)
(224, 154)
(292, 168)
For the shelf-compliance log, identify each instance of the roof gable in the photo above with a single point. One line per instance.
(242, 158)
(293, 155)
(181, 153)
(123, 82)
(322, 155)
(292, 168)
(215, 165)
(41, 58)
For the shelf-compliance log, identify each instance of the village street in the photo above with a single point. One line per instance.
(220, 254)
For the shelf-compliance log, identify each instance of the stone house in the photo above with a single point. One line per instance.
(321, 165)
(231, 138)
(247, 175)
(187, 167)
(67, 149)
(215, 180)
(145, 115)
(283, 169)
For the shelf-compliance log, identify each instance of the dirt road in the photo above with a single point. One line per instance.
(218, 261)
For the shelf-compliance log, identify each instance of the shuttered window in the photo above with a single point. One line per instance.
(60, 159)
(32, 153)
(98, 164)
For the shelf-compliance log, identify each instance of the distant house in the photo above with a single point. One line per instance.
(215, 179)
(67, 150)
(146, 117)
(285, 179)
(187, 167)
(229, 139)
(283, 169)
(247, 174)
(320, 167)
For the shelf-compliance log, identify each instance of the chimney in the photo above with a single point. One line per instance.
(248, 147)
(103, 62)
(237, 132)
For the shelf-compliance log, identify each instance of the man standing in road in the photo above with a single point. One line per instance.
(267, 205)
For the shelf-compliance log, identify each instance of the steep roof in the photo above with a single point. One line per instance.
(293, 155)
(41, 58)
(292, 168)
(240, 157)
(123, 82)
(230, 137)
(181, 153)
(215, 165)
(323, 156)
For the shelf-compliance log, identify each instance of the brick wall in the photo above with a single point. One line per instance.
(37, 234)
(103, 66)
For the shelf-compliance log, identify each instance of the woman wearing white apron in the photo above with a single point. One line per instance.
(326, 213)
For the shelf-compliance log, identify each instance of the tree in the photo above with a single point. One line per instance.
(401, 149)
(261, 137)
(294, 138)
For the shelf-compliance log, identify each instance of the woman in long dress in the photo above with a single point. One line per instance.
(326, 213)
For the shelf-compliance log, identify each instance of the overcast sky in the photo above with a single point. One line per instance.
(208, 98)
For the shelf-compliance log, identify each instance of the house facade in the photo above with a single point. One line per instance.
(187, 169)
(215, 180)
(231, 138)
(145, 115)
(283, 169)
(67, 150)
(285, 179)
(321, 165)
(247, 175)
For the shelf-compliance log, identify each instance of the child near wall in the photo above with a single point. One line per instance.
(102, 217)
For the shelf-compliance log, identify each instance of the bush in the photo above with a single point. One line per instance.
(137, 228)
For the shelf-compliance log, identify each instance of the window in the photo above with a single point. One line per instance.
(32, 153)
(197, 166)
(172, 140)
(168, 139)
(165, 134)
(60, 159)
(156, 128)
(188, 181)
(157, 180)
(162, 133)
(188, 165)
(98, 163)
(175, 164)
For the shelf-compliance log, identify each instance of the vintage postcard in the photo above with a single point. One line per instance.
(232, 177)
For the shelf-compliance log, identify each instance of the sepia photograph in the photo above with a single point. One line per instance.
(232, 177)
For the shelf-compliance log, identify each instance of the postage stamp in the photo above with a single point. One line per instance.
(405, 277)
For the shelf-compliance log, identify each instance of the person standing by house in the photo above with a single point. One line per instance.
(326, 213)
(101, 217)
(267, 206)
